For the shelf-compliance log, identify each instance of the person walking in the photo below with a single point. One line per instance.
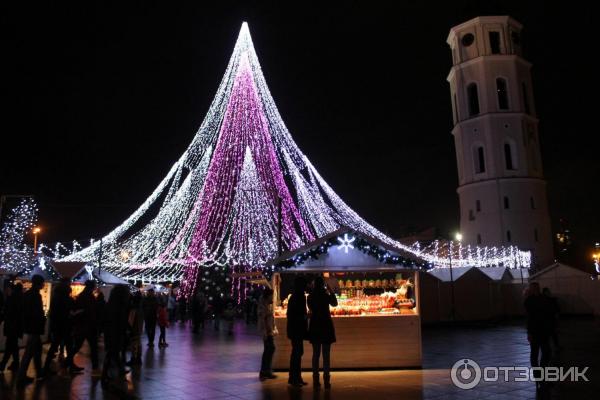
(321, 331)
(86, 322)
(199, 307)
(61, 306)
(150, 315)
(268, 330)
(172, 306)
(297, 329)
(539, 325)
(34, 323)
(115, 330)
(135, 322)
(163, 323)
(13, 325)
(218, 307)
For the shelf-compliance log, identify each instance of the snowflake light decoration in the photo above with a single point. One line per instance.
(346, 243)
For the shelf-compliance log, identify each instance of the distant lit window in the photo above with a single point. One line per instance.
(502, 91)
(473, 97)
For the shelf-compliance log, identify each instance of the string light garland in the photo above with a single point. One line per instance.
(219, 205)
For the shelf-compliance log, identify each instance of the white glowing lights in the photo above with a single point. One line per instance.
(221, 202)
(346, 243)
(15, 254)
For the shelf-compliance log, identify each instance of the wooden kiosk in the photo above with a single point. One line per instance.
(377, 320)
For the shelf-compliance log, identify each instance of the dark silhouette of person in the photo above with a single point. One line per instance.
(297, 330)
(555, 311)
(150, 305)
(321, 331)
(218, 306)
(85, 325)
(100, 310)
(115, 330)
(61, 306)
(34, 324)
(266, 326)
(199, 307)
(539, 326)
(13, 325)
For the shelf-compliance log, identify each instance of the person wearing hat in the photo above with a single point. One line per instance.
(34, 322)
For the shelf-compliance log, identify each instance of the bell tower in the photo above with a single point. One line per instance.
(502, 191)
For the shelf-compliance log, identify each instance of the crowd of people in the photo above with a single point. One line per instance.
(123, 320)
(74, 320)
(314, 325)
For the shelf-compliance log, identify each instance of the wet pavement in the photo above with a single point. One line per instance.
(214, 365)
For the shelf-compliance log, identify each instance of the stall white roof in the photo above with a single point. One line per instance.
(443, 274)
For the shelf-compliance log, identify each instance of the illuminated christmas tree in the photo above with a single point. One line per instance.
(14, 252)
(242, 188)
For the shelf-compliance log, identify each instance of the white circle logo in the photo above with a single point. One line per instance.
(465, 374)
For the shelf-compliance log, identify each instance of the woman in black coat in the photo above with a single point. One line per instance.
(297, 330)
(321, 331)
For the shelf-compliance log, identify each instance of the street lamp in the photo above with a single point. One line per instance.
(36, 230)
(458, 237)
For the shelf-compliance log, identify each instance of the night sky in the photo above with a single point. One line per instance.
(100, 101)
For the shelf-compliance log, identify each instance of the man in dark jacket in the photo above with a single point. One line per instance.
(34, 323)
(13, 325)
(150, 305)
(539, 325)
(86, 322)
(61, 306)
(297, 329)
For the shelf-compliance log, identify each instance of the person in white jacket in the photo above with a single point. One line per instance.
(266, 326)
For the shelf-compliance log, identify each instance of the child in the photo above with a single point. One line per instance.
(163, 323)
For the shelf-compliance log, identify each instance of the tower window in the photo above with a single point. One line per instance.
(535, 234)
(473, 97)
(508, 236)
(478, 238)
(508, 156)
(502, 93)
(455, 108)
(532, 203)
(506, 203)
(525, 98)
(467, 39)
(478, 205)
(495, 42)
(479, 160)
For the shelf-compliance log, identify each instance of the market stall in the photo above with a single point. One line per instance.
(377, 320)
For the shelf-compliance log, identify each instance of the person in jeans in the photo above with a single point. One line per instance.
(297, 330)
(163, 323)
(13, 325)
(34, 323)
(267, 328)
(321, 330)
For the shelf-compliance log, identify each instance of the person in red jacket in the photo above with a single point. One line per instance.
(163, 323)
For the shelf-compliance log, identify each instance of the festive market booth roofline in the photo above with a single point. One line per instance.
(356, 249)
